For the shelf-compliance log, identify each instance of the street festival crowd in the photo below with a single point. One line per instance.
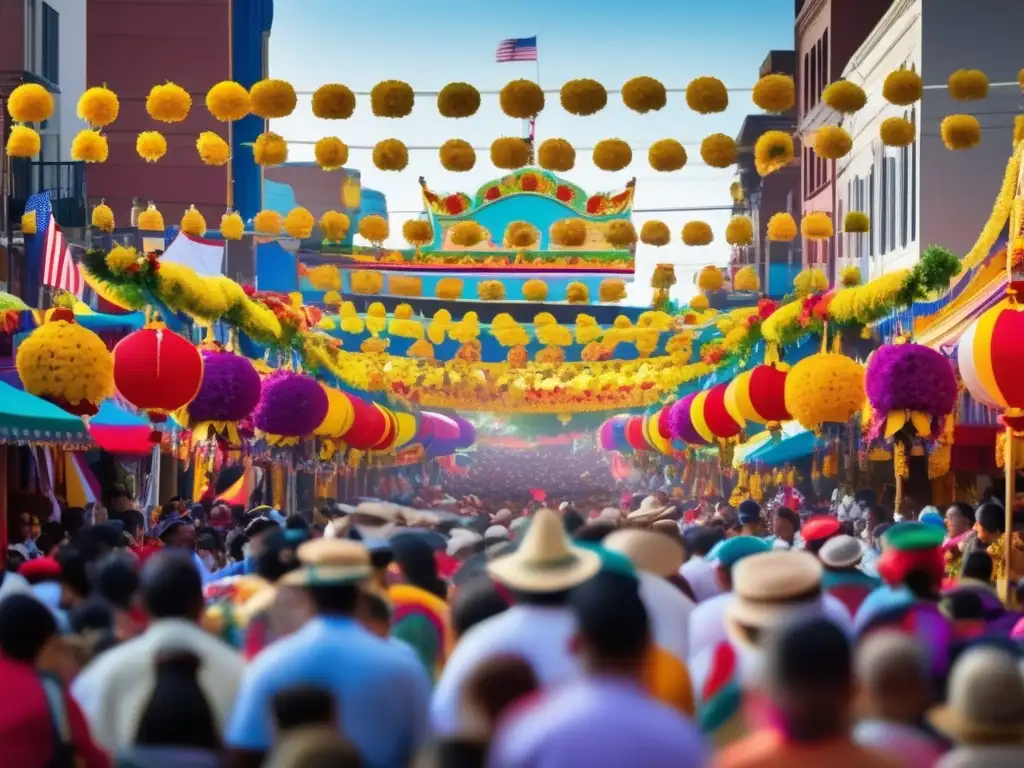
(558, 633)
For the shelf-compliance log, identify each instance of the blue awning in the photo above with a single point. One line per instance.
(796, 443)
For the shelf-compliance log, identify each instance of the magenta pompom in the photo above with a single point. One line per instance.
(291, 405)
(910, 377)
(681, 424)
(229, 391)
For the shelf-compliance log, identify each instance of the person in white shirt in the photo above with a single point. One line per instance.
(113, 689)
(698, 571)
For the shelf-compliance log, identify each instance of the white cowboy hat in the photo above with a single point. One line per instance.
(546, 560)
(772, 587)
(609, 515)
(650, 510)
(650, 551)
(985, 704)
(841, 552)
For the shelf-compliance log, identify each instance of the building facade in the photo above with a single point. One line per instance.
(925, 194)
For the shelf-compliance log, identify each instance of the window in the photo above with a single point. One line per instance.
(891, 163)
(49, 64)
(904, 194)
(807, 81)
(31, 36)
(913, 182)
(871, 211)
(883, 209)
(825, 75)
(815, 83)
(839, 219)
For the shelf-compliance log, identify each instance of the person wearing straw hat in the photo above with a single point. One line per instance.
(383, 689)
(650, 509)
(538, 627)
(841, 556)
(984, 711)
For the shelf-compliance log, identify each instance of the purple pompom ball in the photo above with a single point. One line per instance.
(229, 391)
(290, 404)
(910, 377)
(680, 423)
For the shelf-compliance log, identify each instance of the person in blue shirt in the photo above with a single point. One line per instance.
(255, 531)
(180, 533)
(381, 693)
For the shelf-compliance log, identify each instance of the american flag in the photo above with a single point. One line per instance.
(518, 49)
(59, 268)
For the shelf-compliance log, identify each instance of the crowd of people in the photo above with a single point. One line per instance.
(526, 636)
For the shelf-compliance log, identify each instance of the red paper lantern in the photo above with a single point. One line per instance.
(157, 371)
(759, 396)
(387, 440)
(369, 425)
(717, 416)
(664, 427)
(635, 434)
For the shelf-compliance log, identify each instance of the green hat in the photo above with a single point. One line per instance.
(913, 536)
(611, 562)
(728, 552)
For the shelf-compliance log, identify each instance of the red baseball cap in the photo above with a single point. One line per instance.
(819, 527)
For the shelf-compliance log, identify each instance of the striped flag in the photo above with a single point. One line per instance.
(59, 268)
(517, 49)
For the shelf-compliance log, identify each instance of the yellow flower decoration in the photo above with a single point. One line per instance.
(417, 232)
(448, 288)
(193, 223)
(103, 217)
(775, 93)
(299, 223)
(392, 99)
(810, 281)
(707, 95)
(612, 155)
(333, 101)
(330, 153)
(457, 100)
(98, 106)
(520, 234)
(710, 279)
(168, 103)
(390, 155)
(697, 233)
(272, 99)
(655, 233)
(832, 142)
(856, 222)
(231, 226)
(960, 132)
(509, 153)
(556, 155)
(491, 290)
(466, 234)
(151, 220)
(897, 132)
(521, 99)
(823, 389)
(535, 290)
(968, 85)
(554, 335)
(457, 156)
(718, 150)
(270, 149)
(334, 225)
(666, 155)
(699, 303)
(89, 147)
(422, 349)
(816, 226)
(612, 290)
(577, 293)
(30, 103)
(120, 259)
(739, 231)
(583, 97)
(902, 87)
(374, 228)
(844, 97)
(644, 94)
(151, 146)
(268, 222)
(23, 142)
(772, 151)
(850, 276)
(620, 234)
(213, 150)
(781, 228)
(569, 233)
(228, 101)
(746, 279)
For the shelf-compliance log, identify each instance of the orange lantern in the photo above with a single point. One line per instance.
(157, 371)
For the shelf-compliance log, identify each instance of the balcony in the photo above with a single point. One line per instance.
(64, 181)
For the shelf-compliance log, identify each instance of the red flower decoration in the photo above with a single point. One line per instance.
(594, 204)
(249, 290)
(564, 193)
(492, 194)
(528, 182)
(765, 308)
(454, 204)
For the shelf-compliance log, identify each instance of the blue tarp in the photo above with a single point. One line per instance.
(797, 445)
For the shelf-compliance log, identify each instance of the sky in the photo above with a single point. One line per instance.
(429, 44)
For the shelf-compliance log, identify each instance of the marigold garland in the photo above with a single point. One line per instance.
(578, 293)
(710, 278)
(98, 106)
(390, 155)
(272, 99)
(620, 234)
(773, 150)
(707, 95)
(644, 94)
(457, 156)
(521, 99)
(856, 222)
(299, 223)
(775, 93)
(466, 234)
(333, 101)
(151, 146)
(902, 87)
(193, 223)
(520, 234)
(718, 150)
(168, 103)
(374, 228)
(968, 85)
(569, 233)
(960, 132)
(832, 142)
(268, 222)
(270, 149)
(844, 97)
(655, 233)
(850, 276)
(810, 281)
(120, 259)
(697, 234)
(23, 142)
(666, 155)
(781, 228)
(535, 290)
(458, 100)
(330, 153)
(612, 154)
(825, 388)
(103, 217)
(583, 97)
(213, 150)
(746, 279)
(151, 220)
(491, 290)
(368, 282)
(89, 146)
(231, 226)
(392, 99)
(228, 101)
(417, 232)
(334, 226)
(556, 155)
(30, 103)
(897, 132)
(816, 225)
(739, 231)
(510, 153)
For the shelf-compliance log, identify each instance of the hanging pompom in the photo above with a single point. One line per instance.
(98, 106)
(781, 228)
(960, 131)
(89, 147)
(333, 101)
(968, 85)
(417, 232)
(466, 234)
(30, 103)
(228, 101)
(850, 275)
(583, 97)
(746, 279)
(644, 94)
(103, 217)
(810, 281)
(151, 220)
(569, 233)
(556, 155)
(772, 152)
(272, 99)
(775, 93)
(213, 150)
(168, 103)
(457, 156)
(844, 97)
(334, 226)
(816, 225)
(697, 234)
(299, 223)
(710, 279)
(739, 231)
(832, 142)
(655, 233)
(374, 228)
(193, 223)
(392, 98)
(231, 226)
(902, 87)
(520, 234)
(267, 222)
(612, 155)
(897, 132)
(151, 146)
(509, 153)
(707, 95)
(331, 153)
(521, 99)
(28, 224)
(666, 155)
(390, 155)
(270, 149)
(856, 222)
(620, 234)
(23, 142)
(457, 100)
(718, 150)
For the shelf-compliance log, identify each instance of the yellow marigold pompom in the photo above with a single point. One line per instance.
(612, 155)
(810, 281)
(331, 153)
(392, 98)
(421, 349)
(844, 97)
(28, 224)
(466, 234)
(772, 151)
(968, 85)
(520, 234)
(212, 149)
(739, 231)
(228, 101)
(457, 100)
(417, 232)
(367, 281)
(334, 226)
(707, 95)
(1018, 129)
(699, 303)
(168, 103)
(710, 279)
(612, 290)
(457, 156)
(666, 155)
(390, 155)
(521, 99)
(98, 106)
(535, 290)
(120, 259)
(272, 99)
(30, 103)
(832, 142)
(89, 147)
(902, 87)
(569, 233)
(850, 276)
(897, 132)
(270, 149)
(509, 153)
(449, 288)
(583, 97)
(374, 228)
(551, 355)
(231, 226)
(556, 155)
(655, 233)
(960, 131)
(193, 223)
(746, 279)
(697, 233)
(856, 221)
(644, 94)
(491, 290)
(267, 222)
(620, 234)
(816, 226)
(333, 101)
(299, 223)
(718, 150)
(577, 293)
(23, 142)
(775, 93)
(151, 220)
(825, 389)
(103, 217)
(151, 146)
(781, 228)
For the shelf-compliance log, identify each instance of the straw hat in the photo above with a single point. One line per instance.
(649, 551)
(502, 517)
(985, 704)
(650, 510)
(329, 562)
(770, 587)
(841, 552)
(609, 515)
(460, 539)
(546, 560)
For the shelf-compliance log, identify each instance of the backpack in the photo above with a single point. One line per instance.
(64, 751)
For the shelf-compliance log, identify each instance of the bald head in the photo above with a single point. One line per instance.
(892, 670)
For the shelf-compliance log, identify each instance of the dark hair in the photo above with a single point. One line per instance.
(498, 683)
(116, 580)
(376, 606)
(611, 617)
(133, 521)
(92, 614)
(474, 602)
(787, 514)
(595, 531)
(25, 627)
(178, 714)
(171, 586)
(74, 569)
(301, 706)
(964, 510)
(296, 523)
(416, 560)
(73, 519)
(572, 520)
(964, 605)
(977, 565)
(260, 525)
(702, 539)
(236, 542)
(335, 599)
(807, 655)
(866, 497)
(278, 556)
(991, 517)
(879, 514)
(209, 540)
